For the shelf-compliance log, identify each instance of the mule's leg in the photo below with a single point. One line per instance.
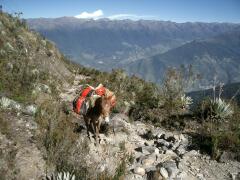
(87, 123)
(96, 133)
(98, 127)
(93, 128)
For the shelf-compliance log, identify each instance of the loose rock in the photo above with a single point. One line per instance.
(171, 168)
(30, 110)
(164, 172)
(139, 170)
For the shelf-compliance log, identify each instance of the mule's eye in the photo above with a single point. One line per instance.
(110, 97)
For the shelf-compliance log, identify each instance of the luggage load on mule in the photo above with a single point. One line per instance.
(88, 96)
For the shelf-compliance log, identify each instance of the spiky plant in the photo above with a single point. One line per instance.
(65, 176)
(220, 108)
(60, 176)
(186, 101)
(5, 102)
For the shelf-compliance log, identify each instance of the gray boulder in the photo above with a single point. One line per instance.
(164, 172)
(30, 110)
(180, 150)
(161, 143)
(149, 160)
(154, 175)
(134, 177)
(171, 168)
(227, 156)
(147, 149)
(139, 171)
(41, 88)
(119, 123)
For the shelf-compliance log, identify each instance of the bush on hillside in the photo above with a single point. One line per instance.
(147, 104)
(175, 84)
(220, 109)
(56, 132)
(220, 126)
(186, 101)
(219, 136)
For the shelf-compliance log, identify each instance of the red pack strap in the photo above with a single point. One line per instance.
(86, 91)
(81, 99)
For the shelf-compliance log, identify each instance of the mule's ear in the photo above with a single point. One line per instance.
(93, 99)
(113, 100)
(109, 94)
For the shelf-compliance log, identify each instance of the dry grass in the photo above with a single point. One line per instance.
(56, 132)
(7, 150)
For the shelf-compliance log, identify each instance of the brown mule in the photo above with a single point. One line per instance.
(99, 112)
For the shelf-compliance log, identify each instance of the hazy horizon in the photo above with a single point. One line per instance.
(175, 11)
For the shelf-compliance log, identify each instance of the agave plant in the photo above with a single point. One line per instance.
(65, 176)
(5, 102)
(60, 176)
(220, 108)
(186, 101)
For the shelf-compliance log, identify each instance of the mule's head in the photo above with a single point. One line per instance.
(107, 103)
(103, 103)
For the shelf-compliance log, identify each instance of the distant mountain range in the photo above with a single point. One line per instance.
(146, 48)
(218, 57)
(106, 43)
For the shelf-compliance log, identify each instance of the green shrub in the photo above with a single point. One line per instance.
(186, 101)
(122, 146)
(219, 134)
(8, 151)
(216, 110)
(56, 132)
(4, 125)
(173, 90)
(121, 170)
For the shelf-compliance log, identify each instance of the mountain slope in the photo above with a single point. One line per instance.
(42, 138)
(218, 56)
(32, 72)
(106, 44)
(27, 59)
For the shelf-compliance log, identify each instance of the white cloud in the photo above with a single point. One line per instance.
(129, 16)
(94, 15)
(99, 14)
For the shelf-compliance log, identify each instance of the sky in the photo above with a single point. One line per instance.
(167, 10)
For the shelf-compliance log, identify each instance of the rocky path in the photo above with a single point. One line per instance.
(155, 153)
(166, 156)
(70, 92)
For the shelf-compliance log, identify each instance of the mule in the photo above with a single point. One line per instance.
(99, 113)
